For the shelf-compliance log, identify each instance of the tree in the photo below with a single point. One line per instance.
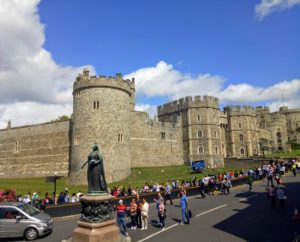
(62, 118)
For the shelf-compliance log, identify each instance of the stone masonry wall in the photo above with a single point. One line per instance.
(154, 143)
(35, 150)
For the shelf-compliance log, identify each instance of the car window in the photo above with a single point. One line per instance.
(29, 209)
(9, 213)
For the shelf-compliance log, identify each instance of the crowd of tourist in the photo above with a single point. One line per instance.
(138, 209)
(41, 201)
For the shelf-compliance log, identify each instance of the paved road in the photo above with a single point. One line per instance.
(241, 216)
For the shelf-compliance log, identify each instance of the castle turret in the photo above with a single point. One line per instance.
(101, 114)
(201, 127)
(242, 129)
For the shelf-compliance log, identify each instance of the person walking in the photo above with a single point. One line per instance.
(161, 214)
(145, 212)
(168, 194)
(121, 217)
(250, 181)
(139, 211)
(184, 207)
(294, 168)
(281, 197)
(133, 214)
(271, 192)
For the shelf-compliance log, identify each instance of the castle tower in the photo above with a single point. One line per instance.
(200, 127)
(242, 129)
(101, 114)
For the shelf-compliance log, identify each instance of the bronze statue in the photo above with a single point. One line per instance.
(95, 173)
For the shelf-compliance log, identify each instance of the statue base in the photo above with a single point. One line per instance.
(96, 232)
(97, 221)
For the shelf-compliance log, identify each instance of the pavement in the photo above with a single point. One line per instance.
(240, 216)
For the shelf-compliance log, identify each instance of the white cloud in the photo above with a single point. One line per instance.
(164, 80)
(266, 7)
(28, 74)
(31, 113)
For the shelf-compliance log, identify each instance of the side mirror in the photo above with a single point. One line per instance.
(18, 217)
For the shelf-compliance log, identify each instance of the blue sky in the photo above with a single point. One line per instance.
(218, 37)
(241, 51)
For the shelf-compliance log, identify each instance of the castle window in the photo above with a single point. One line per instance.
(240, 125)
(17, 147)
(120, 138)
(163, 135)
(96, 105)
(215, 134)
(241, 138)
(217, 151)
(200, 150)
(199, 118)
(200, 134)
(242, 151)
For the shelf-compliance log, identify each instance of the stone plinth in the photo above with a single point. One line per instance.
(97, 222)
(96, 232)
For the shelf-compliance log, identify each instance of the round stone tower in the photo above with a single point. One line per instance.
(101, 114)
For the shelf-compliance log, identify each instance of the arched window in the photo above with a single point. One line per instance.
(242, 151)
(200, 134)
(241, 138)
(199, 118)
(215, 134)
(200, 150)
(240, 125)
(217, 151)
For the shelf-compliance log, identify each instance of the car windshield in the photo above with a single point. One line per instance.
(29, 209)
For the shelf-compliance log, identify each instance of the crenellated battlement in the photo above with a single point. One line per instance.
(84, 80)
(240, 111)
(188, 102)
(260, 110)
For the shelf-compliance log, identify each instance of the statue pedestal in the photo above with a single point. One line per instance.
(97, 222)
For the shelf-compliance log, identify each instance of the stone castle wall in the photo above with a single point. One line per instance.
(35, 150)
(154, 143)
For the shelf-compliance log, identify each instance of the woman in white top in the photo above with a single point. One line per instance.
(145, 210)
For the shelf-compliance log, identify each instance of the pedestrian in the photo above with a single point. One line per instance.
(139, 211)
(277, 178)
(270, 176)
(281, 197)
(158, 200)
(202, 189)
(271, 193)
(168, 194)
(161, 214)
(227, 185)
(184, 207)
(133, 214)
(121, 217)
(250, 181)
(145, 212)
(294, 167)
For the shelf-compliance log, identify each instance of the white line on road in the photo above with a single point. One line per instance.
(157, 233)
(200, 214)
(152, 235)
(246, 198)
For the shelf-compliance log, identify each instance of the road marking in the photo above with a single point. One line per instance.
(150, 236)
(200, 214)
(246, 198)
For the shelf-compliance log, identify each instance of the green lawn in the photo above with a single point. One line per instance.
(294, 153)
(138, 178)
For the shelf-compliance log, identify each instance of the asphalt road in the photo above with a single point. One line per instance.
(240, 216)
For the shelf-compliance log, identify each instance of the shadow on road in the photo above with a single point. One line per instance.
(260, 222)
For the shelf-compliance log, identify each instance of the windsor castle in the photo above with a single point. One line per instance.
(191, 128)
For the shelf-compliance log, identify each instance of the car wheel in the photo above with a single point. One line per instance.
(31, 234)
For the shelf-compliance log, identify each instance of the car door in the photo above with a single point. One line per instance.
(9, 225)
